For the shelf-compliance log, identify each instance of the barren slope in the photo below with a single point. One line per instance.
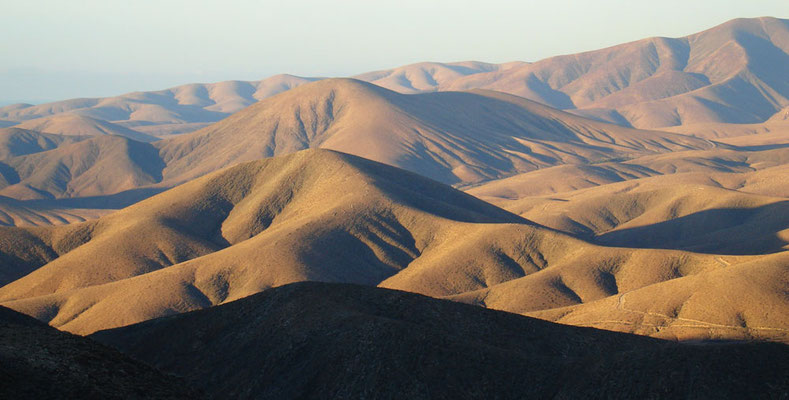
(455, 138)
(428, 76)
(727, 132)
(741, 301)
(161, 112)
(39, 213)
(187, 108)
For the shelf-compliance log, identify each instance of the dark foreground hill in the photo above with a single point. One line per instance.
(319, 340)
(39, 362)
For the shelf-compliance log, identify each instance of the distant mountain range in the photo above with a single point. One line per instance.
(732, 73)
(455, 138)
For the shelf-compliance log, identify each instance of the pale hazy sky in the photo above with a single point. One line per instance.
(53, 50)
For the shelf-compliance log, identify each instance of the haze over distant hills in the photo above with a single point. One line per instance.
(175, 110)
(728, 74)
(456, 138)
(81, 125)
(189, 107)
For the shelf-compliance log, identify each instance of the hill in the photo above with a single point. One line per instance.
(38, 361)
(728, 73)
(428, 76)
(187, 108)
(46, 176)
(728, 201)
(42, 213)
(161, 112)
(96, 166)
(455, 138)
(318, 340)
(80, 125)
(318, 215)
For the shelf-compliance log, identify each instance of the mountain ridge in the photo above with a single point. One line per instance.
(721, 75)
(319, 215)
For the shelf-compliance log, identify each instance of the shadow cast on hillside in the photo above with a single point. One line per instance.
(106, 202)
(732, 231)
(416, 191)
(764, 147)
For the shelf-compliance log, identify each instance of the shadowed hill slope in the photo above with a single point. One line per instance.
(318, 340)
(37, 361)
(19, 142)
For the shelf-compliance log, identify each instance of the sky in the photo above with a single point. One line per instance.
(56, 49)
